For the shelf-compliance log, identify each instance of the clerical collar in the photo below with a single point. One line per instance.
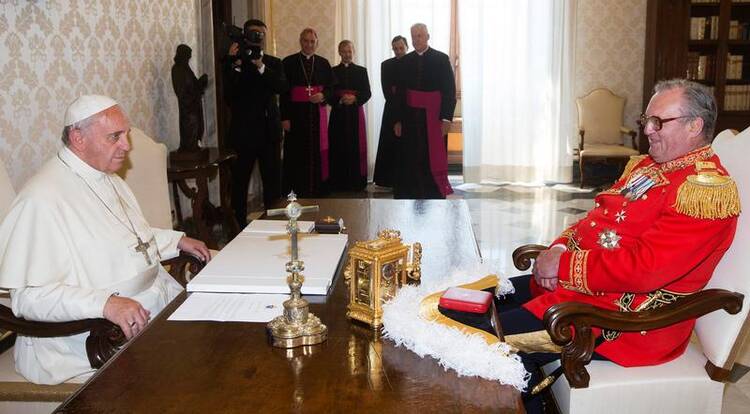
(307, 57)
(80, 166)
(346, 65)
(423, 52)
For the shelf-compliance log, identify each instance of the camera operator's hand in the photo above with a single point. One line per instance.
(234, 49)
(317, 98)
(286, 125)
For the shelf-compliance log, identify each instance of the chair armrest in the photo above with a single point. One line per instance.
(522, 256)
(627, 131)
(179, 267)
(569, 324)
(104, 340)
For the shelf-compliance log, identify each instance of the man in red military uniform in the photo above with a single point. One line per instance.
(652, 238)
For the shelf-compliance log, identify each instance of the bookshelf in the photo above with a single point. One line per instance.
(707, 41)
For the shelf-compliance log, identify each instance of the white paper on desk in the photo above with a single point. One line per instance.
(277, 226)
(229, 307)
(256, 263)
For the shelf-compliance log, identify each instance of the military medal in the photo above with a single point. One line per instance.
(637, 186)
(609, 239)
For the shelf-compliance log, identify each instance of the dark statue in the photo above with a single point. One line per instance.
(189, 91)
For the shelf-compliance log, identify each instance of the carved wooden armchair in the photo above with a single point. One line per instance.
(690, 383)
(601, 129)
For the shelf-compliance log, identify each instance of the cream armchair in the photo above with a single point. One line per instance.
(692, 383)
(601, 129)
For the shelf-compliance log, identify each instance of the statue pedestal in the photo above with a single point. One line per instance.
(189, 155)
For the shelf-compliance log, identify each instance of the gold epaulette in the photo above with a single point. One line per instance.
(707, 194)
(634, 160)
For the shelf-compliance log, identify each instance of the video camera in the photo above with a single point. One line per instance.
(249, 43)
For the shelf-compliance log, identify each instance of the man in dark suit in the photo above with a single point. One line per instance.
(426, 100)
(348, 139)
(253, 81)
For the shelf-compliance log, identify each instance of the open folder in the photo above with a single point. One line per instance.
(255, 262)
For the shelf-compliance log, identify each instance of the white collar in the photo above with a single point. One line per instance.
(306, 56)
(423, 52)
(79, 166)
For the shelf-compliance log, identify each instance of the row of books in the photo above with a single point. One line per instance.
(700, 67)
(737, 98)
(734, 66)
(704, 28)
(739, 31)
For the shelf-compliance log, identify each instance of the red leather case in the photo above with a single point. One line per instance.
(466, 300)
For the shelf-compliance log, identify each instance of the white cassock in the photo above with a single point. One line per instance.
(66, 246)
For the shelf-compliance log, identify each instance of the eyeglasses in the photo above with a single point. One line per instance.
(656, 122)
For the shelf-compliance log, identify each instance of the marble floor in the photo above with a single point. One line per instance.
(505, 217)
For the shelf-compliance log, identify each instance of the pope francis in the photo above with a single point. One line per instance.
(75, 245)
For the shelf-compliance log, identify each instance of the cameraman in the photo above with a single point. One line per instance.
(253, 81)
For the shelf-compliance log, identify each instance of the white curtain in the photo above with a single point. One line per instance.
(516, 60)
(371, 24)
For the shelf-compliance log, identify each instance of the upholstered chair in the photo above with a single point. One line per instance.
(692, 383)
(601, 129)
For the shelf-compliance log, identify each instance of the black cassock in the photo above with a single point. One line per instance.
(348, 141)
(255, 129)
(385, 160)
(414, 176)
(305, 152)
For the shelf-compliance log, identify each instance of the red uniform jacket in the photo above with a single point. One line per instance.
(646, 249)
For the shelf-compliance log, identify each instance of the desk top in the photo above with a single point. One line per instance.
(229, 367)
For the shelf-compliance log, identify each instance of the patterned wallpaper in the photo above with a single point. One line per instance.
(289, 17)
(610, 42)
(54, 50)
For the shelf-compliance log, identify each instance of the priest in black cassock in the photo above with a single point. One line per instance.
(426, 100)
(347, 128)
(305, 119)
(385, 163)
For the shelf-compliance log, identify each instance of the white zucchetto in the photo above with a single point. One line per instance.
(85, 106)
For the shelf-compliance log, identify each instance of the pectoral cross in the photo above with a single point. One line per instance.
(309, 90)
(142, 248)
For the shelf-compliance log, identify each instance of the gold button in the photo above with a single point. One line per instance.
(643, 333)
(597, 204)
(593, 223)
(624, 203)
(645, 197)
(606, 211)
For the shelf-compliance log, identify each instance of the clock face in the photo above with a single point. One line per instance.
(389, 282)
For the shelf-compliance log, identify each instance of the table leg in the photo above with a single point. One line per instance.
(204, 230)
(225, 202)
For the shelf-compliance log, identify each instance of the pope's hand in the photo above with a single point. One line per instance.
(126, 313)
(195, 247)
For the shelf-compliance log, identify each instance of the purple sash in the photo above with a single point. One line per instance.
(301, 94)
(362, 132)
(430, 102)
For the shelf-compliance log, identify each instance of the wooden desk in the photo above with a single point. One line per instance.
(178, 172)
(206, 367)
